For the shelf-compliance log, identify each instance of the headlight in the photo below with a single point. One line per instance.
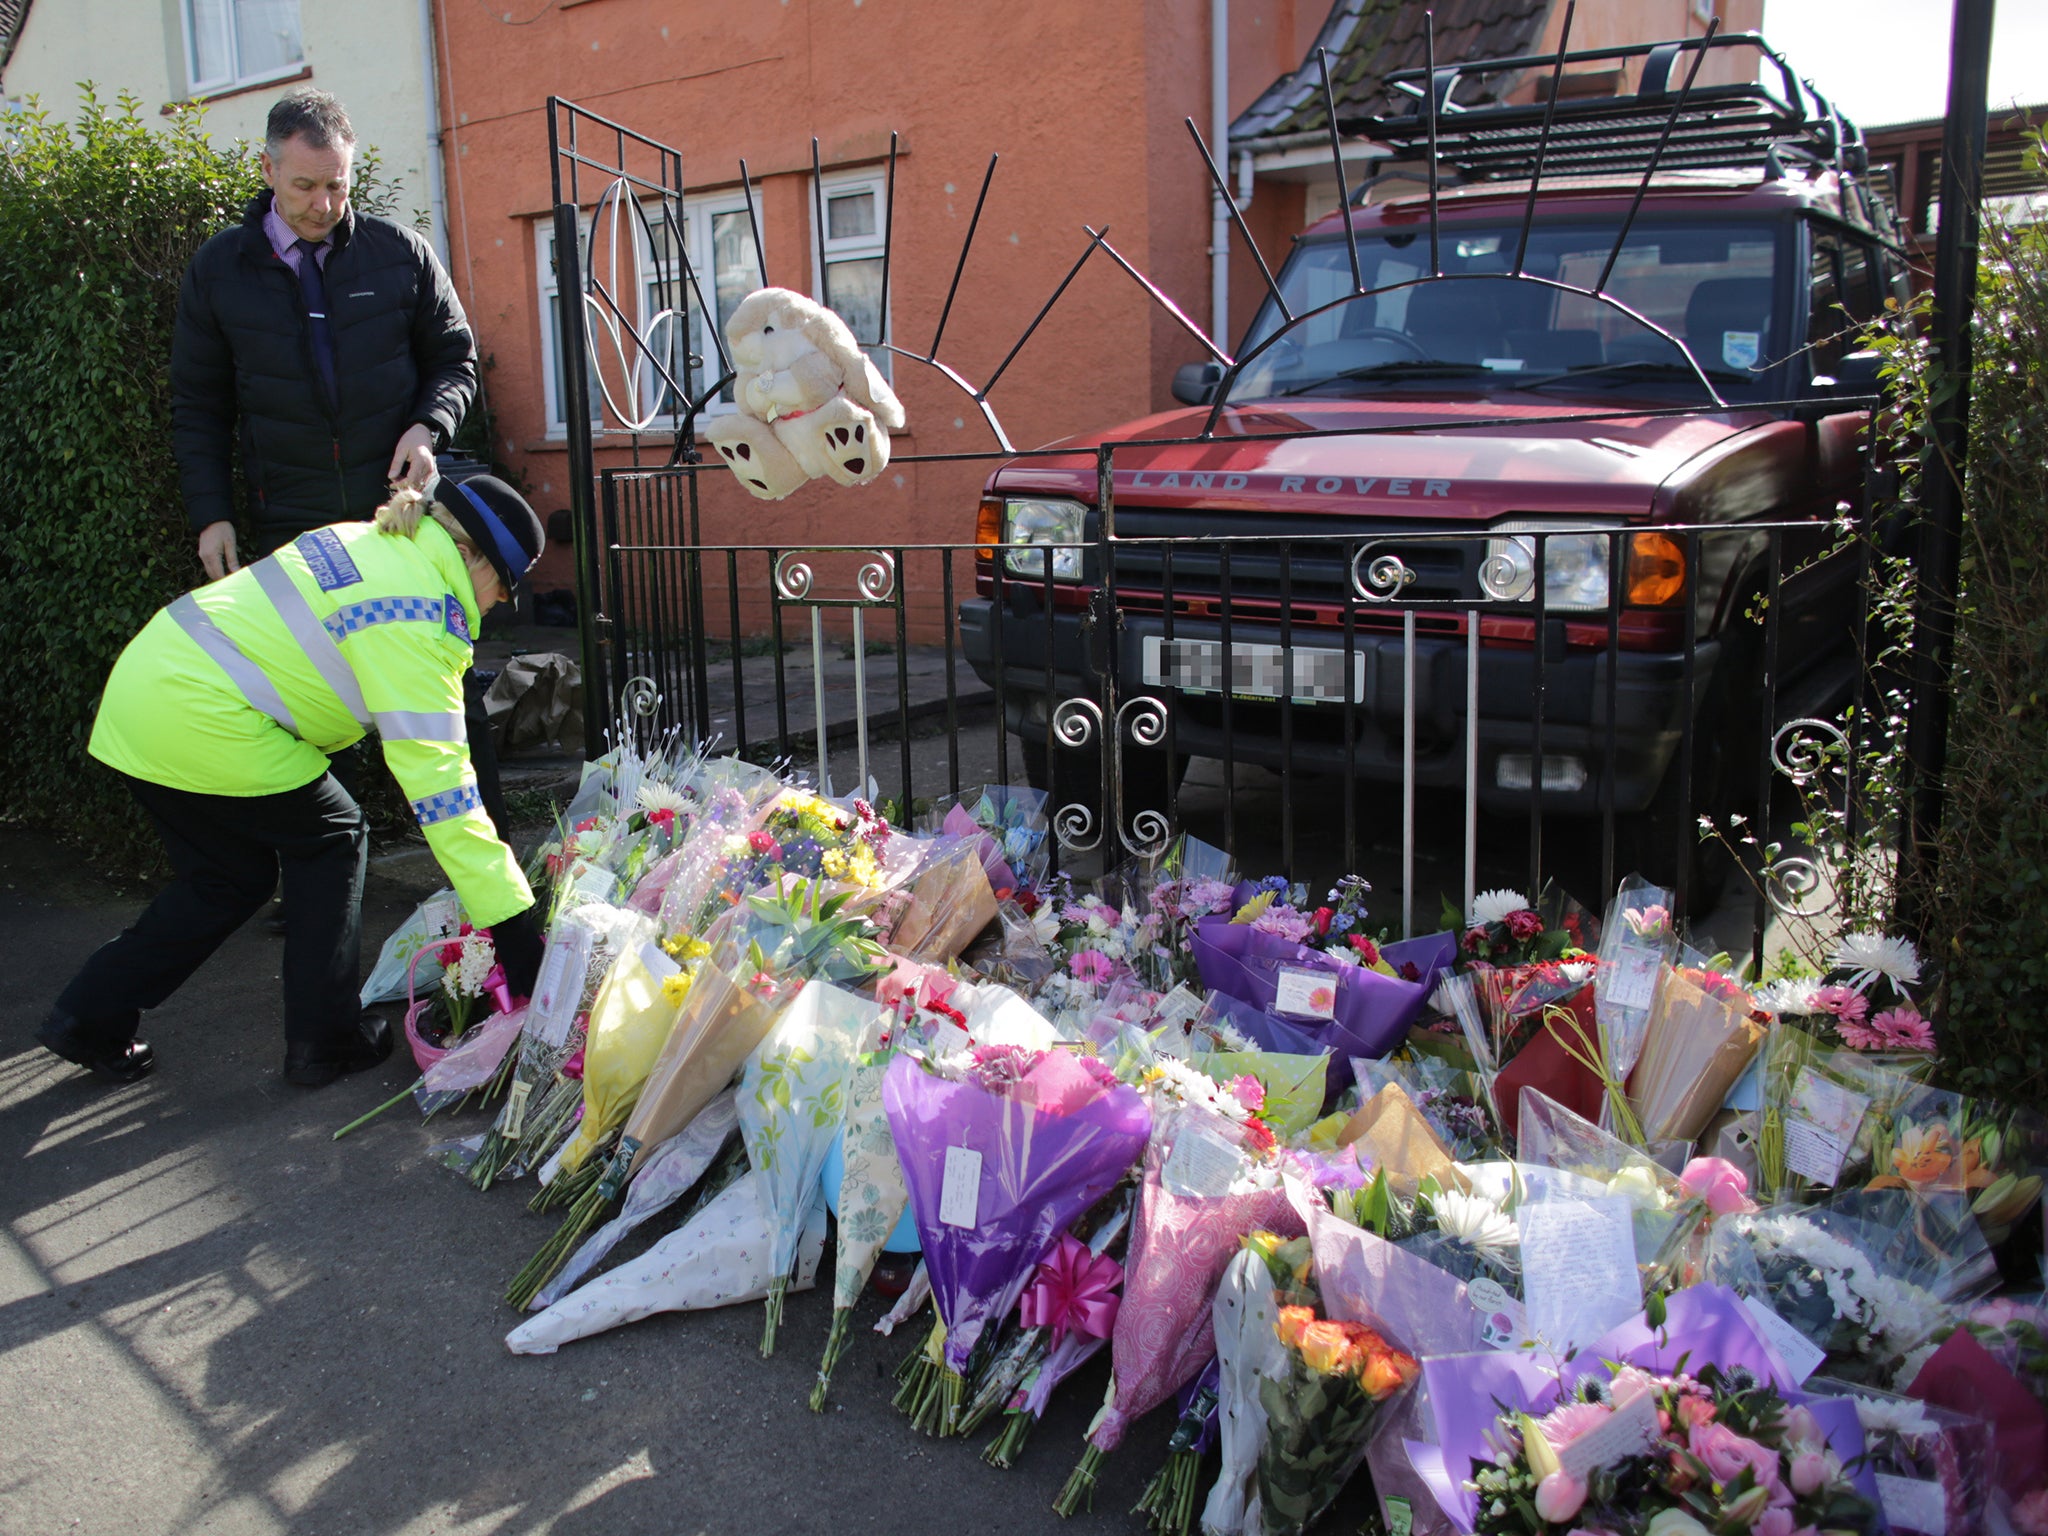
(1574, 567)
(1044, 522)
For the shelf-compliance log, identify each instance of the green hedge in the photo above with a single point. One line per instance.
(1989, 915)
(97, 222)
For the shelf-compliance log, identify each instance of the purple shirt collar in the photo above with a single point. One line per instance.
(282, 240)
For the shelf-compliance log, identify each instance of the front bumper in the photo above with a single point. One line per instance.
(1650, 697)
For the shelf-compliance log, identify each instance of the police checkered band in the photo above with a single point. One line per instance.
(345, 621)
(327, 559)
(447, 805)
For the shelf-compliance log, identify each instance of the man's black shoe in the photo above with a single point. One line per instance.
(367, 1044)
(273, 920)
(126, 1062)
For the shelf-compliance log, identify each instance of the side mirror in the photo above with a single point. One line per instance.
(1855, 374)
(1195, 383)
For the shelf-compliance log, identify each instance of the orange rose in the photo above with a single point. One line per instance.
(1290, 1324)
(1385, 1372)
(1325, 1348)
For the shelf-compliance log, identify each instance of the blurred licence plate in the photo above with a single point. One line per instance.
(1256, 671)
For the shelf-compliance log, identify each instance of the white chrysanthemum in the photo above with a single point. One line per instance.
(1867, 956)
(1473, 1220)
(1493, 906)
(656, 796)
(1892, 1416)
(1193, 1087)
(1791, 997)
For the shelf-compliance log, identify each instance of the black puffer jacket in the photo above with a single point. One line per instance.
(243, 377)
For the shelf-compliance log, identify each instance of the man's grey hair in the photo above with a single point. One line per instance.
(315, 116)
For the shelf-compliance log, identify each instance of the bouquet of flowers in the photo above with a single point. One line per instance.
(1002, 1148)
(792, 1103)
(1452, 1101)
(1865, 1002)
(944, 906)
(720, 1257)
(1862, 1309)
(872, 1194)
(1699, 1040)
(1637, 940)
(1208, 1181)
(1008, 827)
(1678, 1429)
(1932, 1467)
(1322, 1413)
(1071, 1304)
(1268, 1272)
(1834, 1116)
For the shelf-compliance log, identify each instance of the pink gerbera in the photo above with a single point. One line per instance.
(1845, 1003)
(1861, 1037)
(1904, 1029)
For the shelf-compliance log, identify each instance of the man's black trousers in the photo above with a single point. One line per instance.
(226, 851)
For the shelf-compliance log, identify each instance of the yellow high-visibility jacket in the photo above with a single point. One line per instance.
(244, 687)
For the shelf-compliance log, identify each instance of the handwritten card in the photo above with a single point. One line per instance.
(442, 915)
(1801, 1355)
(1821, 1121)
(1631, 1428)
(1201, 1166)
(1578, 1268)
(960, 1189)
(560, 988)
(1503, 1320)
(1914, 1506)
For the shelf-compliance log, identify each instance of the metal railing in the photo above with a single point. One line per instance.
(1608, 725)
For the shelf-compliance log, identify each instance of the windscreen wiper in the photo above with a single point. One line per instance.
(1402, 368)
(1641, 368)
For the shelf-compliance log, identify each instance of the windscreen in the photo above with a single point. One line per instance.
(1712, 284)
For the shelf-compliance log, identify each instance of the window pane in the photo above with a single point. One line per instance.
(266, 36)
(206, 27)
(850, 215)
(856, 290)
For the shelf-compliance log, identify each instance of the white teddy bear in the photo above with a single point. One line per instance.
(810, 401)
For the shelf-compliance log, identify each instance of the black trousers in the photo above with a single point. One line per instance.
(226, 851)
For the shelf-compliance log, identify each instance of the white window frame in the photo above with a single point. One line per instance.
(556, 422)
(235, 79)
(698, 219)
(855, 247)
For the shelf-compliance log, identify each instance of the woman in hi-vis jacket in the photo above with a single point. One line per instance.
(221, 714)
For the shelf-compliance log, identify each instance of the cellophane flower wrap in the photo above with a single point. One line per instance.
(872, 1194)
(1716, 1436)
(720, 1257)
(1245, 1315)
(792, 1104)
(944, 905)
(1369, 1011)
(1700, 1039)
(1834, 1117)
(1934, 1468)
(1044, 1137)
(1181, 1242)
(1637, 940)
(1322, 1409)
(629, 1024)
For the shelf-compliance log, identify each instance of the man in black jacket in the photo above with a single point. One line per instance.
(326, 345)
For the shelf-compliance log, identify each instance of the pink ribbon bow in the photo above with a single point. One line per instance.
(1073, 1291)
(494, 984)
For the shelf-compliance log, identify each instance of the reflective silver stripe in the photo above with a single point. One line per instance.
(313, 639)
(241, 671)
(413, 725)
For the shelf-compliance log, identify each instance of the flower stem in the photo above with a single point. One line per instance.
(774, 1314)
(835, 1346)
(1168, 1501)
(1007, 1446)
(390, 1103)
(583, 1216)
(1079, 1493)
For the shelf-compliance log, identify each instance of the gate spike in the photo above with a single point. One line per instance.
(960, 266)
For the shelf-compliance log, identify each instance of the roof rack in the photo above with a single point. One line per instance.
(1721, 126)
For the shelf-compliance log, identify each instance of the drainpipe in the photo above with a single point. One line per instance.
(437, 189)
(1219, 140)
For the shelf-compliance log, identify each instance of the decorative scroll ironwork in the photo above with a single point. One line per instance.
(1078, 724)
(874, 583)
(1383, 578)
(639, 700)
(1802, 748)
